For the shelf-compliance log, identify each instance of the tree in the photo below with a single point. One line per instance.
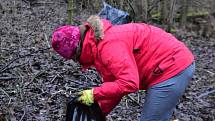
(69, 11)
(139, 9)
(164, 11)
(171, 15)
(183, 16)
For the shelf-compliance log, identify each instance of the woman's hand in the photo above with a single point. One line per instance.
(86, 97)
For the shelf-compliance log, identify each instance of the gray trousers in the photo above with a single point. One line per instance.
(161, 99)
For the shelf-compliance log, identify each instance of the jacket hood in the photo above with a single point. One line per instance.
(95, 33)
(98, 25)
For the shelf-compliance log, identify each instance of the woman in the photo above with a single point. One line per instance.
(130, 57)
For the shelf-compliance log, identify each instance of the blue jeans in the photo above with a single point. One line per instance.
(161, 99)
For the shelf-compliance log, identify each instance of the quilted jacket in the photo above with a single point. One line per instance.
(130, 57)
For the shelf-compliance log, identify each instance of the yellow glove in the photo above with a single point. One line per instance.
(86, 97)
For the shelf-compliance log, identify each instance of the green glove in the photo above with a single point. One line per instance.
(86, 97)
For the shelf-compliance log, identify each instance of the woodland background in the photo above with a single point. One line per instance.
(36, 83)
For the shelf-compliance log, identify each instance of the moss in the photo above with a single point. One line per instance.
(199, 13)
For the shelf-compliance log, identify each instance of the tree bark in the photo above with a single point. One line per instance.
(139, 9)
(146, 2)
(184, 11)
(164, 11)
(171, 15)
(69, 11)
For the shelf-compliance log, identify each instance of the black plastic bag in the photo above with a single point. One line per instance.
(114, 15)
(77, 111)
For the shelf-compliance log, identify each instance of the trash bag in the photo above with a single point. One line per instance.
(77, 111)
(114, 15)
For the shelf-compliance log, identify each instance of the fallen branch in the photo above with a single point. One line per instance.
(17, 58)
(36, 75)
(39, 21)
(23, 115)
(212, 73)
(15, 66)
(134, 14)
(135, 101)
(154, 4)
(6, 95)
(29, 34)
(206, 93)
(8, 78)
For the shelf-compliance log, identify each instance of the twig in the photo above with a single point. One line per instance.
(8, 78)
(5, 49)
(75, 74)
(76, 82)
(206, 93)
(36, 26)
(6, 65)
(43, 3)
(17, 58)
(46, 39)
(126, 103)
(21, 89)
(23, 115)
(58, 92)
(154, 4)
(133, 100)
(175, 120)
(212, 73)
(6, 95)
(54, 78)
(134, 14)
(138, 98)
(36, 75)
(18, 65)
(38, 23)
(205, 103)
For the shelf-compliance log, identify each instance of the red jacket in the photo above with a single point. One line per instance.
(131, 57)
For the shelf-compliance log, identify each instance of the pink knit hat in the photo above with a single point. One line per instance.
(65, 40)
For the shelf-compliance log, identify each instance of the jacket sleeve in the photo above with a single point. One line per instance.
(108, 105)
(118, 58)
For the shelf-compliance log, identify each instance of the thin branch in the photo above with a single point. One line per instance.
(126, 103)
(18, 65)
(206, 93)
(154, 4)
(17, 58)
(8, 78)
(134, 14)
(210, 72)
(23, 115)
(54, 78)
(136, 102)
(36, 75)
(46, 39)
(38, 23)
(6, 95)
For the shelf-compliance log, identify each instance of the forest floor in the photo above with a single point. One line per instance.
(36, 83)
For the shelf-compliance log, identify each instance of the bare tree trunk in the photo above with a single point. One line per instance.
(171, 15)
(164, 11)
(184, 11)
(69, 11)
(1, 10)
(121, 4)
(113, 3)
(97, 5)
(139, 9)
(146, 2)
(118, 4)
